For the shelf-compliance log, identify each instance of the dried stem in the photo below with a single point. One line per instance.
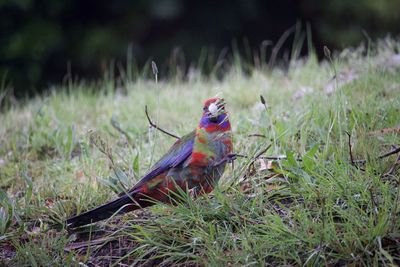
(262, 152)
(257, 135)
(392, 168)
(264, 157)
(354, 162)
(391, 152)
(117, 127)
(374, 206)
(104, 148)
(152, 124)
(350, 149)
(257, 156)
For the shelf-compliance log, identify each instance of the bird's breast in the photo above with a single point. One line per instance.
(210, 147)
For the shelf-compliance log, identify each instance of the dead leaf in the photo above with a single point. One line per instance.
(245, 186)
(263, 165)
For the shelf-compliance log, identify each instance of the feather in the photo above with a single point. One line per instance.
(177, 154)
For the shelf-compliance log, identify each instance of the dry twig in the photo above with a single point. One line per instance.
(257, 135)
(152, 124)
(350, 150)
(391, 152)
(118, 127)
(392, 168)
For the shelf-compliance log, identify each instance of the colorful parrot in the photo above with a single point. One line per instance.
(194, 163)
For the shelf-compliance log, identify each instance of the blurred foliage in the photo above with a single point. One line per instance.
(340, 23)
(44, 42)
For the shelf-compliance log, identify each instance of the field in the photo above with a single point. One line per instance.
(323, 192)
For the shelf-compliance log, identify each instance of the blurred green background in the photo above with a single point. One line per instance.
(46, 42)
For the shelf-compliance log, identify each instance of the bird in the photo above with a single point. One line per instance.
(193, 164)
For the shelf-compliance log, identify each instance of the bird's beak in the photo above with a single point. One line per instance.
(214, 112)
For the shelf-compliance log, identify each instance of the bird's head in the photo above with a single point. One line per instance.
(214, 114)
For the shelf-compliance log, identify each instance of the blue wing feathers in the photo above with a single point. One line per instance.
(176, 155)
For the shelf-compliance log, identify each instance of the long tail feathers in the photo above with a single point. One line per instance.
(121, 205)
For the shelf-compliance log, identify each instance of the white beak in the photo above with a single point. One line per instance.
(213, 109)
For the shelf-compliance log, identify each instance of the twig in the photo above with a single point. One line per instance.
(280, 157)
(350, 150)
(352, 160)
(391, 152)
(374, 206)
(257, 156)
(363, 161)
(104, 148)
(351, 153)
(257, 135)
(392, 168)
(156, 127)
(262, 152)
(394, 209)
(117, 127)
(242, 177)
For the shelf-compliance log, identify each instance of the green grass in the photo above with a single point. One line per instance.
(314, 208)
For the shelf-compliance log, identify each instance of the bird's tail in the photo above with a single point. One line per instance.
(120, 205)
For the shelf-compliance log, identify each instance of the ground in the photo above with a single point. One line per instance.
(323, 193)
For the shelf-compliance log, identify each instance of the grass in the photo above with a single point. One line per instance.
(312, 208)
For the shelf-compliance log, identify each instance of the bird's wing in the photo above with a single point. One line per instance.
(177, 154)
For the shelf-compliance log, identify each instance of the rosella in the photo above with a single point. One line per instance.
(194, 163)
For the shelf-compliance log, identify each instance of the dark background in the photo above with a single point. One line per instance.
(45, 42)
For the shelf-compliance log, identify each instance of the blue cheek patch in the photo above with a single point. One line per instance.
(205, 121)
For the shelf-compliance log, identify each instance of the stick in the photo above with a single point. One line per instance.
(391, 152)
(117, 126)
(265, 157)
(363, 161)
(257, 135)
(392, 168)
(350, 152)
(257, 156)
(262, 152)
(374, 205)
(155, 125)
